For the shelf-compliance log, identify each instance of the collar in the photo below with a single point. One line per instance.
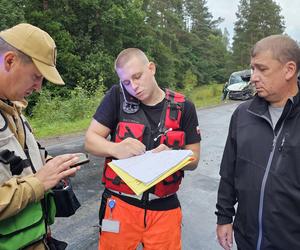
(259, 105)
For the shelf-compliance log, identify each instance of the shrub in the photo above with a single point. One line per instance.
(80, 105)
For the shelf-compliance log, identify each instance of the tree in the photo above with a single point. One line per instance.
(255, 19)
(12, 13)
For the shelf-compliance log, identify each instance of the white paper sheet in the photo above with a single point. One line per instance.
(150, 166)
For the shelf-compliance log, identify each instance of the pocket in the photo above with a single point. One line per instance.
(129, 129)
(28, 218)
(175, 139)
(66, 201)
(287, 164)
(173, 116)
(20, 230)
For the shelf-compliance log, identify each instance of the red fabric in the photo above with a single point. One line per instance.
(174, 138)
(162, 231)
(170, 123)
(129, 129)
(109, 176)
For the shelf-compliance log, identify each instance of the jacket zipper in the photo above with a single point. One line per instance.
(262, 194)
(264, 181)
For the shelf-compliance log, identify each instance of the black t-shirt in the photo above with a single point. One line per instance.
(108, 111)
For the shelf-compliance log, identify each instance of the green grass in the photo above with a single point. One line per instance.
(59, 128)
(203, 96)
(207, 95)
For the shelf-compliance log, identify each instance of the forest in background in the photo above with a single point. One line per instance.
(180, 36)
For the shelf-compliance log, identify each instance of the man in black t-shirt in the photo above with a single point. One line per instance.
(140, 116)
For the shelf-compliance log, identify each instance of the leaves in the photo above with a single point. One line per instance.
(180, 36)
(255, 19)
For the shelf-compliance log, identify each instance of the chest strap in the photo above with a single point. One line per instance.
(17, 164)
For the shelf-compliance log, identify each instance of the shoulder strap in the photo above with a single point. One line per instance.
(16, 163)
(175, 96)
(172, 112)
(175, 105)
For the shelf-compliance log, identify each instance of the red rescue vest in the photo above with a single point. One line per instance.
(136, 125)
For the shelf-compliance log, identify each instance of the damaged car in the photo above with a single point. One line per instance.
(239, 86)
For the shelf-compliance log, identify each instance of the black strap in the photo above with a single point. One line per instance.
(160, 204)
(102, 208)
(17, 164)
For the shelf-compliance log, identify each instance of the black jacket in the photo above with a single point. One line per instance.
(260, 171)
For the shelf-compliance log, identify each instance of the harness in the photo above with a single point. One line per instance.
(29, 225)
(135, 124)
(16, 163)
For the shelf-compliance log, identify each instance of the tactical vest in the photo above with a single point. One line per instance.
(29, 225)
(136, 125)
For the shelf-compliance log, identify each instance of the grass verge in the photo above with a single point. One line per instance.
(203, 96)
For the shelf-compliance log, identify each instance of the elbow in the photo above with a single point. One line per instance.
(87, 145)
(192, 166)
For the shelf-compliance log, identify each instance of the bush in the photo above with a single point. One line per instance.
(55, 109)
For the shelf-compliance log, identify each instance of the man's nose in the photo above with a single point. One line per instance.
(134, 84)
(254, 76)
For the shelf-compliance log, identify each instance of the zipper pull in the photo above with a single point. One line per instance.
(281, 145)
(164, 133)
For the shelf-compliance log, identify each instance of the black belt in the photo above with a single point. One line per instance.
(161, 204)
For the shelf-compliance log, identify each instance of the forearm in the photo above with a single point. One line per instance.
(192, 165)
(226, 201)
(195, 148)
(99, 146)
(16, 193)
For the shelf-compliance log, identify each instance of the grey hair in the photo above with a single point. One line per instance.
(282, 47)
(5, 47)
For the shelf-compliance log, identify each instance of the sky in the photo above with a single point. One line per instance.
(290, 10)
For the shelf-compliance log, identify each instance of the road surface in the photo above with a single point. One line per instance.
(197, 193)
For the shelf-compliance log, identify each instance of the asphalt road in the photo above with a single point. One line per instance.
(197, 193)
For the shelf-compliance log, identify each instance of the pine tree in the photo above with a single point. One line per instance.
(255, 19)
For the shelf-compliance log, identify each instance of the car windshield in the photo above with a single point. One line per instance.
(235, 79)
(240, 76)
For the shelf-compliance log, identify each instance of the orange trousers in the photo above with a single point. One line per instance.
(162, 230)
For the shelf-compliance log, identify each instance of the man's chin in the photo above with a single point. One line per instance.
(261, 94)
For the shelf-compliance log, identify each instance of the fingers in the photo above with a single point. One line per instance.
(129, 147)
(56, 169)
(230, 239)
(224, 243)
(160, 148)
(68, 172)
(64, 161)
(224, 236)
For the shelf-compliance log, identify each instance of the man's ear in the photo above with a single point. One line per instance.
(290, 70)
(152, 67)
(9, 59)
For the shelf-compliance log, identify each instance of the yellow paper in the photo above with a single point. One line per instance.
(139, 187)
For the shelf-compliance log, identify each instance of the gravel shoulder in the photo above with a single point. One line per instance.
(61, 139)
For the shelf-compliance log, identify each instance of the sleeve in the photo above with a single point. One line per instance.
(16, 193)
(108, 110)
(226, 192)
(190, 124)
